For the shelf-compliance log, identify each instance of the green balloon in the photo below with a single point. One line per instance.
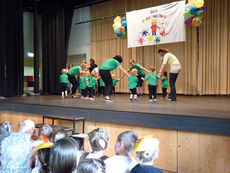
(124, 34)
(200, 14)
(187, 14)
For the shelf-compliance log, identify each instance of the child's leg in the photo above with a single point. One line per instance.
(154, 91)
(150, 92)
(62, 94)
(135, 94)
(66, 93)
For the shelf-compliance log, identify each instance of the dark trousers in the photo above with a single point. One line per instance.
(101, 90)
(152, 91)
(91, 92)
(133, 91)
(173, 78)
(74, 82)
(107, 79)
(113, 91)
(84, 92)
(164, 92)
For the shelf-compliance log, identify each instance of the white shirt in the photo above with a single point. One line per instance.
(94, 155)
(120, 164)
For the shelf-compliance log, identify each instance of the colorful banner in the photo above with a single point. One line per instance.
(156, 25)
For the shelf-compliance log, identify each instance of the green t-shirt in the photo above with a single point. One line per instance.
(164, 82)
(152, 78)
(83, 83)
(75, 70)
(110, 65)
(138, 67)
(133, 80)
(64, 78)
(115, 82)
(102, 84)
(92, 82)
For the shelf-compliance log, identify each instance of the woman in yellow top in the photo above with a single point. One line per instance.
(175, 67)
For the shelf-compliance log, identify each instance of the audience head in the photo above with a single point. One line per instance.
(132, 62)
(43, 155)
(98, 139)
(91, 166)
(125, 143)
(8, 126)
(46, 129)
(152, 68)
(58, 134)
(162, 51)
(118, 58)
(63, 156)
(134, 72)
(147, 149)
(15, 153)
(27, 127)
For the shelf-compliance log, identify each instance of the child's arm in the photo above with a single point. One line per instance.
(141, 67)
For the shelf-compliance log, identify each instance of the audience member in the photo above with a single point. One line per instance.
(46, 129)
(8, 126)
(91, 166)
(58, 134)
(27, 127)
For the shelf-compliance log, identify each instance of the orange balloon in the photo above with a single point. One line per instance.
(122, 29)
(196, 21)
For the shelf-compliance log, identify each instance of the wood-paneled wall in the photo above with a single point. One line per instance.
(182, 152)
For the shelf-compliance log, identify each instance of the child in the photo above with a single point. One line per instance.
(83, 85)
(101, 87)
(92, 86)
(164, 85)
(114, 84)
(152, 84)
(64, 83)
(133, 81)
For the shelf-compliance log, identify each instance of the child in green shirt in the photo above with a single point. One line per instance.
(83, 84)
(114, 84)
(164, 85)
(92, 85)
(64, 83)
(152, 84)
(133, 81)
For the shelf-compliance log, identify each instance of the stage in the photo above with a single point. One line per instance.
(205, 114)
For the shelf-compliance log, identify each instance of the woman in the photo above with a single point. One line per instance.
(105, 69)
(175, 67)
(140, 75)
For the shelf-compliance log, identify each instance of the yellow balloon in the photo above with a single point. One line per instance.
(199, 3)
(191, 2)
(114, 25)
(196, 21)
(118, 19)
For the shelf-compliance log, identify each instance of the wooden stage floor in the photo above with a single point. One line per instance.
(199, 106)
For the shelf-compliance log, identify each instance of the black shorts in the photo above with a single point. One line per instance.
(140, 81)
(64, 87)
(133, 91)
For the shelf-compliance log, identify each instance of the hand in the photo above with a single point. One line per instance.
(142, 78)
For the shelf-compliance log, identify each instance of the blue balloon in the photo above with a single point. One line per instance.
(124, 23)
(119, 34)
(193, 10)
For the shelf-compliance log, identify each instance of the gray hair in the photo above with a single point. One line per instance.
(8, 126)
(129, 138)
(46, 129)
(91, 166)
(98, 139)
(26, 126)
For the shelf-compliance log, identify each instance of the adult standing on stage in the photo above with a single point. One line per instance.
(175, 67)
(93, 67)
(73, 74)
(105, 69)
(141, 74)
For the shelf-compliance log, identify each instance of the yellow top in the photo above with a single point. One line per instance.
(170, 59)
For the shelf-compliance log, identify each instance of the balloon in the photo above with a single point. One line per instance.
(200, 14)
(193, 10)
(116, 30)
(117, 25)
(187, 14)
(124, 34)
(200, 23)
(119, 34)
(199, 3)
(188, 7)
(191, 2)
(118, 19)
(188, 21)
(114, 26)
(123, 18)
(124, 23)
(196, 21)
(122, 29)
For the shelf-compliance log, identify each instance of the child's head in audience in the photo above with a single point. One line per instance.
(91, 166)
(27, 127)
(58, 134)
(152, 68)
(8, 126)
(98, 139)
(134, 72)
(147, 149)
(63, 156)
(125, 143)
(43, 155)
(46, 129)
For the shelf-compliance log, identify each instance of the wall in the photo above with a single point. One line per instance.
(79, 42)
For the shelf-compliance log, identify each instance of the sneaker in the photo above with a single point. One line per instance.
(92, 99)
(86, 98)
(74, 96)
(150, 100)
(162, 98)
(155, 100)
(131, 100)
(108, 100)
(136, 100)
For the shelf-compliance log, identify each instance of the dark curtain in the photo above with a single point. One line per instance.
(56, 24)
(11, 48)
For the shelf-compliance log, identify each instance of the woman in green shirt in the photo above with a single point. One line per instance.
(140, 74)
(105, 69)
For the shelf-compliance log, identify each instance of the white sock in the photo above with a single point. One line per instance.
(131, 96)
(135, 97)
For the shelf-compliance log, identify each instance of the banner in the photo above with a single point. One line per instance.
(156, 25)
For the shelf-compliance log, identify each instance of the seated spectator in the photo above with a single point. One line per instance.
(58, 134)
(147, 150)
(91, 166)
(8, 126)
(46, 129)
(63, 156)
(98, 139)
(123, 162)
(3, 135)
(27, 127)
(16, 150)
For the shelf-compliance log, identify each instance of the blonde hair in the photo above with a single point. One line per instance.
(64, 71)
(87, 73)
(152, 68)
(134, 72)
(93, 74)
(83, 66)
(83, 73)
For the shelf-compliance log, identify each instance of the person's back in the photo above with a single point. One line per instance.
(140, 168)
